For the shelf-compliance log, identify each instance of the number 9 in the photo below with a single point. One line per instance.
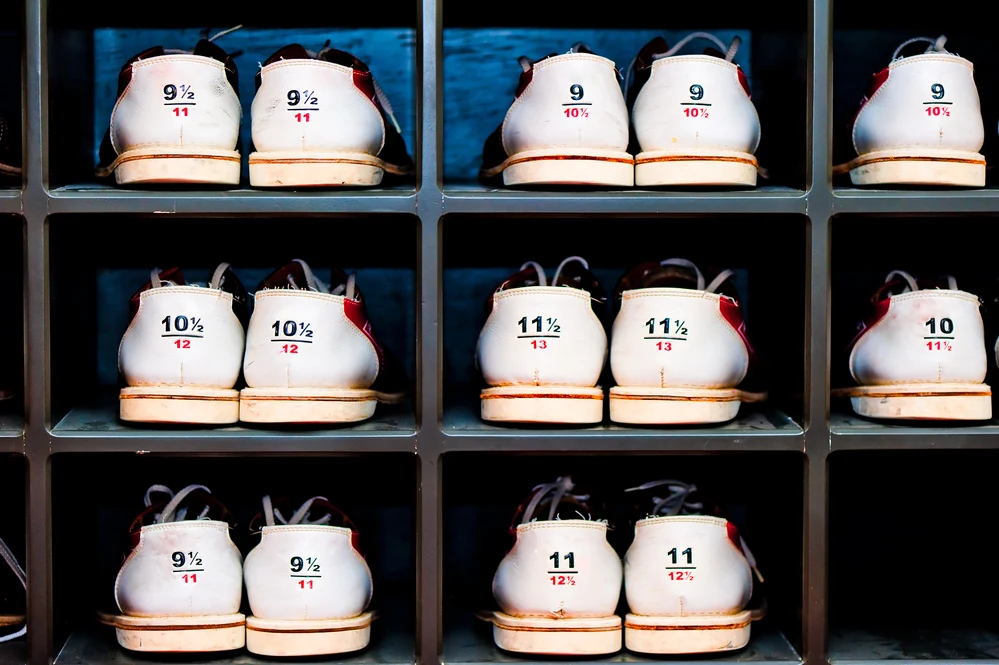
(696, 92)
(576, 91)
(178, 557)
(169, 92)
(297, 564)
(294, 97)
(938, 90)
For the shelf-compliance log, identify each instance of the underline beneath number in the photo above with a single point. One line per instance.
(300, 341)
(193, 570)
(693, 104)
(179, 104)
(579, 104)
(179, 335)
(538, 336)
(948, 103)
(675, 339)
(938, 338)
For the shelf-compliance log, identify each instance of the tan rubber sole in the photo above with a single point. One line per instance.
(896, 167)
(677, 406)
(679, 635)
(173, 404)
(562, 167)
(557, 637)
(308, 169)
(307, 638)
(543, 404)
(306, 405)
(176, 165)
(721, 168)
(179, 634)
(923, 401)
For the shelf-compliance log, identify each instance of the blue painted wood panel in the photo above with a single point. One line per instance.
(481, 74)
(389, 52)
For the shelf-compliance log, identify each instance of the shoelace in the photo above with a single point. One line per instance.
(677, 504)
(215, 283)
(911, 281)
(313, 283)
(8, 556)
(300, 516)
(729, 51)
(217, 35)
(170, 512)
(715, 283)
(935, 45)
(559, 490)
(543, 279)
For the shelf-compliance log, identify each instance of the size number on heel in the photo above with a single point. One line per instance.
(941, 334)
(696, 108)
(563, 569)
(666, 332)
(183, 328)
(179, 98)
(187, 565)
(539, 330)
(678, 571)
(305, 570)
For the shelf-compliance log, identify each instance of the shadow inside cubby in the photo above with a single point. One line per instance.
(910, 564)
(11, 103)
(12, 304)
(90, 41)
(865, 249)
(866, 34)
(478, 508)
(13, 598)
(96, 497)
(771, 280)
(90, 292)
(480, 70)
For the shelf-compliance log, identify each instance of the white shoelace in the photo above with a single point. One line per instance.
(8, 556)
(299, 517)
(543, 278)
(935, 45)
(559, 490)
(677, 504)
(729, 51)
(211, 39)
(313, 283)
(170, 512)
(911, 281)
(216, 282)
(715, 283)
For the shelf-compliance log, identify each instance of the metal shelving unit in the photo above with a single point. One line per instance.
(436, 430)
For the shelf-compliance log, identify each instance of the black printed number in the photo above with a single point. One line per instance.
(938, 90)
(696, 92)
(576, 91)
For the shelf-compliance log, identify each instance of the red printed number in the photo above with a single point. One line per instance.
(563, 580)
(289, 348)
(664, 346)
(302, 117)
(182, 343)
(305, 584)
(180, 111)
(576, 112)
(539, 344)
(190, 579)
(937, 110)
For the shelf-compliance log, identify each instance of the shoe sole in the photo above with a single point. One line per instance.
(223, 632)
(956, 168)
(543, 404)
(306, 405)
(561, 167)
(923, 401)
(677, 406)
(715, 168)
(317, 169)
(172, 404)
(694, 634)
(307, 638)
(175, 165)
(557, 637)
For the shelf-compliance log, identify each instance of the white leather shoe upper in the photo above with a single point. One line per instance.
(183, 336)
(686, 565)
(314, 106)
(304, 338)
(559, 569)
(922, 336)
(306, 571)
(677, 338)
(542, 335)
(549, 113)
(924, 101)
(181, 568)
(695, 102)
(176, 101)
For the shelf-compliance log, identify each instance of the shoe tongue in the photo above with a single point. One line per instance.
(575, 275)
(293, 275)
(714, 53)
(343, 58)
(209, 49)
(580, 47)
(528, 276)
(289, 52)
(656, 276)
(173, 275)
(338, 284)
